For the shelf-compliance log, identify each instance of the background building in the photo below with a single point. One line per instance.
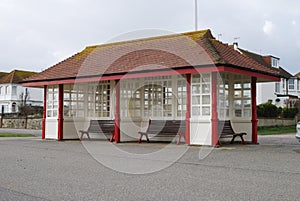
(11, 91)
(282, 93)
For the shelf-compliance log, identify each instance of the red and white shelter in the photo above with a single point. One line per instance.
(190, 76)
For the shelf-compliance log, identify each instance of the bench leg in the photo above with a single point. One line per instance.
(112, 139)
(243, 141)
(82, 133)
(232, 139)
(242, 138)
(179, 138)
(141, 136)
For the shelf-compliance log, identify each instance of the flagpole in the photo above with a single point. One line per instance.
(196, 15)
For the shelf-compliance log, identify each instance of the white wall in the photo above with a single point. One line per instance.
(51, 129)
(200, 132)
(265, 92)
(36, 96)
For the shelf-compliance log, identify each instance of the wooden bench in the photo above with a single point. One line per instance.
(225, 130)
(164, 128)
(106, 127)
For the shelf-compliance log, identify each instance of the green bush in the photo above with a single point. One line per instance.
(289, 112)
(268, 110)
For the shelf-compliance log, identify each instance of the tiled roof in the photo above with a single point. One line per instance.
(2, 74)
(297, 75)
(256, 57)
(15, 76)
(229, 56)
(173, 51)
(260, 59)
(284, 73)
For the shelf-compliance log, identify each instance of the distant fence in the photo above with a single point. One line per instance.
(15, 122)
(277, 122)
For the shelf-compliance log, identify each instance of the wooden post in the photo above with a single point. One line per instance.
(214, 108)
(188, 109)
(60, 111)
(44, 114)
(117, 112)
(254, 111)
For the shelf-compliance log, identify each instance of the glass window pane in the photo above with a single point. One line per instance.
(237, 94)
(206, 99)
(196, 100)
(196, 111)
(205, 111)
(196, 89)
(238, 113)
(247, 94)
(237, 104)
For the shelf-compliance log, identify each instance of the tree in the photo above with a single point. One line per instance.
(24, 108)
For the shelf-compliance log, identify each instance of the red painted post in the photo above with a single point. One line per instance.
(117, 112)
(188, 110)
(214, 113)
(44, 114)
(60, 112)
(254, 112)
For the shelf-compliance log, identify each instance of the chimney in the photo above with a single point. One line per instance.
(235, 46)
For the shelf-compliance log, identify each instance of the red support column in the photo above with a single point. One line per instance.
(117, 112)
(60, 112)
(44, 114)
(254, 112)
(214, 113)
(188, 109)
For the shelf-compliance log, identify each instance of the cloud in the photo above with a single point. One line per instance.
(268, 27)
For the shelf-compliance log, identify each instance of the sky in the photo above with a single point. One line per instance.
(36, 34)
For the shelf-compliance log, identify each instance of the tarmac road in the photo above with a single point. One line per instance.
(32, 169)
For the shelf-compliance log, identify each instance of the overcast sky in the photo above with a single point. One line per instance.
(36, 34)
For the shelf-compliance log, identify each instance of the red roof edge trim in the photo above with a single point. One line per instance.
(132, 75)
(165, 72)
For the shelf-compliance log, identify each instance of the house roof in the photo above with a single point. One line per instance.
(14, 77)
(260, 59)
(2, 74)
(297, 75)
(192, 49)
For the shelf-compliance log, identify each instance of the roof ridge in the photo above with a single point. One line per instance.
(15, 76)
(13, 73)
(219, 58)
(206, 33)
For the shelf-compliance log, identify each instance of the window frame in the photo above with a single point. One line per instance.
(201, 96)
(291, 84)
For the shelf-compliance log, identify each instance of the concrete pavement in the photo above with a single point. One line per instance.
(32, 169)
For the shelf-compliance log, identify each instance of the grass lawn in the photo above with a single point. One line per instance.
(15, 135)
(273, 130)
